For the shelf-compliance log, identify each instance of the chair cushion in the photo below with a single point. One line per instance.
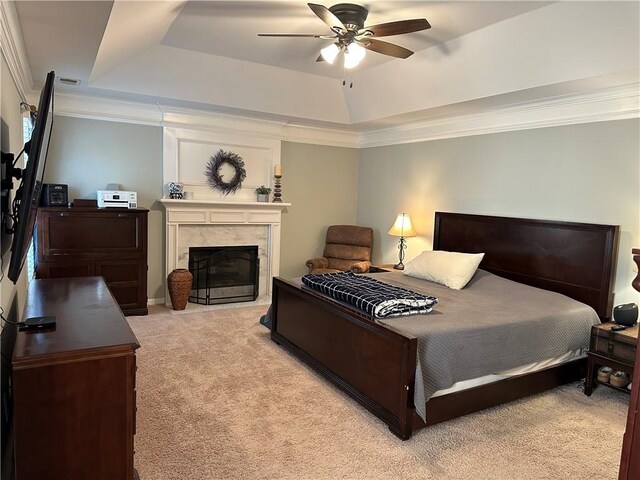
(347, 252)
(320, 271)
(350, 235)
(348, 242)
(340, 264)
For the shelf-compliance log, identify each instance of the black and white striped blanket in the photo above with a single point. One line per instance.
(372, 296)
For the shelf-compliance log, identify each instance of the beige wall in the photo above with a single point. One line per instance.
(583, 173)
(12, 296)
(322, 184)
(89, 154)
(586, 173)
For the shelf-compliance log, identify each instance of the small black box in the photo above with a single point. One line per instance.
(54, 195)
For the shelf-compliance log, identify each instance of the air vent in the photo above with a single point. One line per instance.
(72, 82)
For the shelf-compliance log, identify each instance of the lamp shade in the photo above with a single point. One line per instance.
(353, 55)
(330, 53)
(402, 227)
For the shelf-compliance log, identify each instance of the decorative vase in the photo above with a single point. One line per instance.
(179, 284)
(263, 197)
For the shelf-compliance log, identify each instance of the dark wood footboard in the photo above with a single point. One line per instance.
(374, 364)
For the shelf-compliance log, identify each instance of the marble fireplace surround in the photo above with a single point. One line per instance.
(200, 223)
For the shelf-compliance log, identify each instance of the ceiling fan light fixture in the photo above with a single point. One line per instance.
(330, 53)
(353, 55)
(351, 36)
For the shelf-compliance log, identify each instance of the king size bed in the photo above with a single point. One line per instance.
(494, 341)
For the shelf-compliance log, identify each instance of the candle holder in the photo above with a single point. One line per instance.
(277, 190)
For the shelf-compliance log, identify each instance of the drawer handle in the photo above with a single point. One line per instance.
(123, 215)
(65, 214)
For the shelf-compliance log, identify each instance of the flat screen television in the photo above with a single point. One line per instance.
(27, 197)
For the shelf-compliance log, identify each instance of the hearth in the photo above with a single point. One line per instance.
(224, 274)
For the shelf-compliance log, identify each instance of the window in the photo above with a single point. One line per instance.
(27, 128)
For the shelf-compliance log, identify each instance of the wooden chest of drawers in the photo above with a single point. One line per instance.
(84, 242)
(73, 385)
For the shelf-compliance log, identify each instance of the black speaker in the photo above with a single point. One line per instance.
(626, 314)
(54, 195)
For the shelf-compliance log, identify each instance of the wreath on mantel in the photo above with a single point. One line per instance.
(216, 180)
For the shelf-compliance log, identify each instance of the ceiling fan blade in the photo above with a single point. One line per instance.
(385, 48)
(326, 16)
(397, 28)
(310, 35)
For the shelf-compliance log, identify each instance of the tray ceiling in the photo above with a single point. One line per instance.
(207, 55)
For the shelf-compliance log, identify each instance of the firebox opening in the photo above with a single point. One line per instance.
(224, 274)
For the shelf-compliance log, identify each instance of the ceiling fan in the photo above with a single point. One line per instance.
(346, 21)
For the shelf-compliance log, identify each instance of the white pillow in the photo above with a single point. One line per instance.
(452, 269)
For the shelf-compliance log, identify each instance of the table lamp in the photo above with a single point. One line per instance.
(402, 228)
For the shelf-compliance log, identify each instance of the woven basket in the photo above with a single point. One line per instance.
(179, 285)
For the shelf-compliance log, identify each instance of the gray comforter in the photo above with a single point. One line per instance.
(491, 325)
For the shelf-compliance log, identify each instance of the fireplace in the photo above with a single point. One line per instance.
(224, 274)
(203, 223)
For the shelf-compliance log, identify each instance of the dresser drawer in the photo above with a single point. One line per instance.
(65, 269)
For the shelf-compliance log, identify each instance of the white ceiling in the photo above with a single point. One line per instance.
(207, 55)
(228, 29)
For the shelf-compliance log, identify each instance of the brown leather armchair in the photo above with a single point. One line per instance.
(347, 247)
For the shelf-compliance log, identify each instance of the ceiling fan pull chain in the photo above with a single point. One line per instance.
(344, 79)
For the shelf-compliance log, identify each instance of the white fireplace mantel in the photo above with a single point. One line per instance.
(186, 214)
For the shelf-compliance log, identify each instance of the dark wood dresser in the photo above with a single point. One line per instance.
(111, 242)
(74, 385)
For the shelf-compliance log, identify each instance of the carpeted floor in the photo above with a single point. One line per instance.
(217, 399)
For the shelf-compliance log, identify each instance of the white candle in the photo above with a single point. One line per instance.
(278, 170)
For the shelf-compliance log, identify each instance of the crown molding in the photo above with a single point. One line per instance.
(614, 103)
(70, 104)
(269, 129)
(217, 122)
(13, 49)
(321, 136)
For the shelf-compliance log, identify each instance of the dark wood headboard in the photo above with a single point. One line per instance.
(575, 259)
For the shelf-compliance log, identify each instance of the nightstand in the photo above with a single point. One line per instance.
(612, 349)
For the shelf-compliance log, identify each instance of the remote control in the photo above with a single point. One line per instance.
(39, 322)
(618, 328)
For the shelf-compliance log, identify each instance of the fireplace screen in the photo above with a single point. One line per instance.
(224, 274)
